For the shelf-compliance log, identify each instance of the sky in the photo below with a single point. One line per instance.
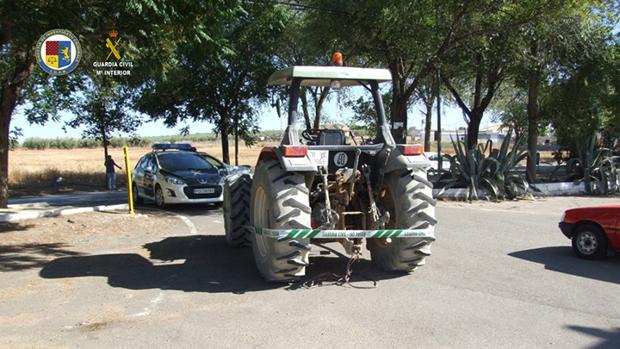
(452, 118)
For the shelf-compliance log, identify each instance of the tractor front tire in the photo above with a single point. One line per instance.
(408, 196)
(279, 201)
(237, 190)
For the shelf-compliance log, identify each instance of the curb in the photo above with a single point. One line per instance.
(543, 189)
(18, 216)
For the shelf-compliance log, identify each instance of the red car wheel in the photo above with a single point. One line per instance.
(589, 242)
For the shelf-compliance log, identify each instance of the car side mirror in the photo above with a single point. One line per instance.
(223, 171)
(148, 169)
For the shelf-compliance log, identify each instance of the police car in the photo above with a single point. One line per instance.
(176, 173)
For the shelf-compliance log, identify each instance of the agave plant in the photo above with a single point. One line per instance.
(509, 183)
(594, 167)
(473, 169)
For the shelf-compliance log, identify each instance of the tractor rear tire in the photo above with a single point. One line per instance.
(408, 196)
(237, 190)
(279, 201)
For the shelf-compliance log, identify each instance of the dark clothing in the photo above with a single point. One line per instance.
(109, 166)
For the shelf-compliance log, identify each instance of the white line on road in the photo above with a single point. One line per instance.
(152, 307)
(185, 219)
(189, 223)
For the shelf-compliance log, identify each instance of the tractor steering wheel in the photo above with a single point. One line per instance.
(311, 135)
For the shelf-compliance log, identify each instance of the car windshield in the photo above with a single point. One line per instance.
(184, 162)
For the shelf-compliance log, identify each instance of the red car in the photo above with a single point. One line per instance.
(594, 231)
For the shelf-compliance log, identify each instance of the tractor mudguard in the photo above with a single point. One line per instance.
(398, 162)
(289, 164)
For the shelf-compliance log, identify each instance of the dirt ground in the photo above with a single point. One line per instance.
(32, 243)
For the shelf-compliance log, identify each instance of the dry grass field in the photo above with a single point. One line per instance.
(36, 171)
(33, 172)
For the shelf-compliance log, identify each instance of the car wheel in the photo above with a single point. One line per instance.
(589, 242)
(159, 197)
(137, 200)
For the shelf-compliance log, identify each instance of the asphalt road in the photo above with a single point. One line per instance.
(501, 276)
(77, 199)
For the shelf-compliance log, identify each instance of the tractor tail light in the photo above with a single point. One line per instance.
(412, 149)
(295, 151)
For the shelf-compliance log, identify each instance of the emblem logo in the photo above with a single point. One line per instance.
(58, 52)
(341, 159)
(203, 181)
(112, 46)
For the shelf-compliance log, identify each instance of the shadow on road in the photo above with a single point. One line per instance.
(6, 227)
(563, 260)
(189, 210)
(26, 256)
(194, 263)
(609, 339)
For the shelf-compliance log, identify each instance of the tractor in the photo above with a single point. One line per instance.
(326, 185)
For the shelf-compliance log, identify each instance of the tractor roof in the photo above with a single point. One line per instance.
(323, 76)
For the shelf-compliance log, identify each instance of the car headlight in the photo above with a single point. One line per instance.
(174, 180)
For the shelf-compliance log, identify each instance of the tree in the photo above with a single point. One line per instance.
(411, 38)
(478, 67)
(364, 112)
(579, 102)
(221, 87)
(556, 40)
(103, 110)
(155, 28)
(427, 93)
(299, 45)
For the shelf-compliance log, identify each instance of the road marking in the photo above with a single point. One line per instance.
(189, 223)
(185, 219)
(152, 307)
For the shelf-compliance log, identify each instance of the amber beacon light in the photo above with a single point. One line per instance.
(337, 58)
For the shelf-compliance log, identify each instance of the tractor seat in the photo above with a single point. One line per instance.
(331, 137)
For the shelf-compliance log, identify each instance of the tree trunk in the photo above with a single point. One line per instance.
(224, 131)
(236, 142)
(8, 104)
(104, 138)
(319, 105)
(533, 84)
(304, 107)
(473, 128)
(428, 122)
(11, 88)
(398, 110)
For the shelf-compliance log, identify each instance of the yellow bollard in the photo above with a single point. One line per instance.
(129, 183)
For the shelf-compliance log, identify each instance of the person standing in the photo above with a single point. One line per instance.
(110, 174)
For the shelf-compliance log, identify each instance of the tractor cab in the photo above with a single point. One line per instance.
(334, 77)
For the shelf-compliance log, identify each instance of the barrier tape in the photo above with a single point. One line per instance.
(351, 234)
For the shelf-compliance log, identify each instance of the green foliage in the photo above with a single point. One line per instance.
(13, 137)
(594, 167)
(223, 87)
(364, 112)
(474, 169)
(35, 143)
(102, 110)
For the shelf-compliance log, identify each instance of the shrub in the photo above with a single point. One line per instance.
(594, 167)
(471, 168)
